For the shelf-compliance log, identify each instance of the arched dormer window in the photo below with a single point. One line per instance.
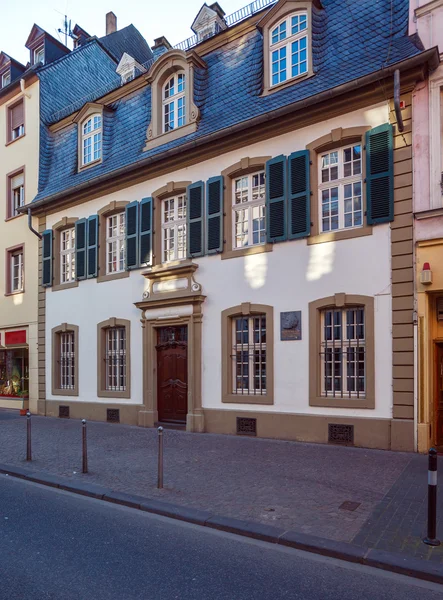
(91, 139)
(289, 48)
(174, 102)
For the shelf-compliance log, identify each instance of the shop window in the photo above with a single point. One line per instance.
(14, 373)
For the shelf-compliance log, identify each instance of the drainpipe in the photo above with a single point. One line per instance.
(31, 227)
(397, 100)
(416, 376)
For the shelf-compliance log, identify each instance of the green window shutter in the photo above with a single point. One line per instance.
(379, 175)
(214, 215)
(276, 194)
(47, 258)
(131, 221)
(80, 249)
(92, 261)
(299, 201)
(145, 224)
(194, 212)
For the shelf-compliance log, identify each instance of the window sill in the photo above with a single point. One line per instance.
(247, 399)
(14, 217)
(18, 292)
(175, 134)
(323, 401)
(64, 286)
(287, 83)
(16, 140)
(108, 394)
(248, 251)
(89, 165)
(336, 236)
(57, 392)
(112, 276)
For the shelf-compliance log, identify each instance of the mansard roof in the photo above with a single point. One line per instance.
(129, 40)
(348, 44)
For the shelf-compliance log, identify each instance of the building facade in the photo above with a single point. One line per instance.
(226, 235)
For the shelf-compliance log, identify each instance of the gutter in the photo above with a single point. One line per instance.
(431, 56)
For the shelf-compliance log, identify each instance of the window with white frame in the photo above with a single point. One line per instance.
(249, 210)
(67, 255)
(115, 380)
(343, 352)
(39, 55)
(289, 48)
(17, 193)
(92, 139)
(249, 355)
(16, 271)
(115, 243)
(340, 188)
(6, 79)
(174, 228)
(174, 102)
(67, 360)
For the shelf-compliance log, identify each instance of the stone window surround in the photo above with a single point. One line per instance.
(65, 223)
(110, 209)
(274, 16)
(172, 188)
(55, 365)
(340, 300)
(168, 64)
(102, 392)
(246, 309)
(9, 177)
(435, 142)
(8, 272)
(243, 167)
(89, 109)
(336, 139)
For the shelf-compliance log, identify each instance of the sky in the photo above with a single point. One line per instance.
(153, 18)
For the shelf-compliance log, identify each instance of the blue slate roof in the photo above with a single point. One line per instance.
(129, 40)
(349, 41)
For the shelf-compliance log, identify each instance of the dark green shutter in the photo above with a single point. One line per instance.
(214, 215)
(194, 213)
(276, 199)
(299, 201)
(380, 175)
(145, 221)
(80, 249)
(131, 220)
(47, 258)
(92, 249)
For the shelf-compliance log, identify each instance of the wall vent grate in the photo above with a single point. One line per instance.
(340, 434)
(246, 426)
(113, 415)
(63, 412)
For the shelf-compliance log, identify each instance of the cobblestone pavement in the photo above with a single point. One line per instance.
(286, 484)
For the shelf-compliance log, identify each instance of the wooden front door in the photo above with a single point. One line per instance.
(172, 374)
(439, 396)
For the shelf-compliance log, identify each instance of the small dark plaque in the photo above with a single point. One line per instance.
(246, 426)
(341, 434)
(63, 412)
(290, 325)
(113, 415)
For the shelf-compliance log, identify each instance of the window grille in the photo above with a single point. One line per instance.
(249, 355)
(116, 359)
(343, 353)
(67, 360)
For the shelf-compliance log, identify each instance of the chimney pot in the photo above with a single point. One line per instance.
(111, 23)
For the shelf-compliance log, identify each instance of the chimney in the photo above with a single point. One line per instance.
(111, 23)
(161, 45)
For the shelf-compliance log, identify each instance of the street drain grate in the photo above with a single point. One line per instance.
(348, 505)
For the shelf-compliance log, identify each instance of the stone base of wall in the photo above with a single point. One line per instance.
(91, 411)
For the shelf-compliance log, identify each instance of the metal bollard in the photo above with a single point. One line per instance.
(431, 538)
(84, 448)
(160, 458)
(28, 436)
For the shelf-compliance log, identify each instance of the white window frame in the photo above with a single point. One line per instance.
(40, 51)
(340, 347)
(248, 206)
(67, 360)
(436, 143)
(254, 348)
(128, 75)
(340, 182)
(6, 79)
(91, 139)
(115, 243)
(116, 357)
(284, 46)
(174, 228)
(17, 194)
(67, 255)
(16, 262)
(176, 100)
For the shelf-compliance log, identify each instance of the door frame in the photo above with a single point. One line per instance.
(438, 344)
(183, 345)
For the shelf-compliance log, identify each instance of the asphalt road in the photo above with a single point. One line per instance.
(60, 546)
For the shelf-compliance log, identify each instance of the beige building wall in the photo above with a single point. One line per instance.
(19, 311)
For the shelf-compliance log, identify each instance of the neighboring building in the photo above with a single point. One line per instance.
(426, 20)
(226, 234)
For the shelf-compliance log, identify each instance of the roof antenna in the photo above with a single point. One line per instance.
(67, 31)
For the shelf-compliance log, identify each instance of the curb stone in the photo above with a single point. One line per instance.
(380, 559)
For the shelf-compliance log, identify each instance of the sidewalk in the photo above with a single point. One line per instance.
(289, 485)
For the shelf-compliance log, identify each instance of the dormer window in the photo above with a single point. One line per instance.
(128, 76)
(92, 139)
(6, 79)
(289, 48)
(174, 102)
(39, 55)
